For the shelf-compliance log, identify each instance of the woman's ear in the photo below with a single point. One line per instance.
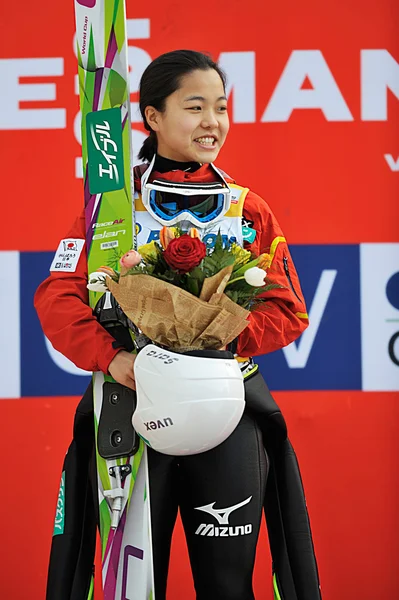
(152, 117)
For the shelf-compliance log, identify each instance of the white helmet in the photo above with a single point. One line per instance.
(186, 404)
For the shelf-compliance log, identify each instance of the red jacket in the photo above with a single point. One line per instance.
(62, 304)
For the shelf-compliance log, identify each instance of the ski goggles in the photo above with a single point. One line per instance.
(199, 203)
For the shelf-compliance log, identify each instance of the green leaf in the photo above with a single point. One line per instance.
(193, 286)
(215, 262)
(219, 242)
(194, 281)
(198, 274)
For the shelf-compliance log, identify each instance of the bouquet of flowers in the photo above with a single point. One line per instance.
(183, 295)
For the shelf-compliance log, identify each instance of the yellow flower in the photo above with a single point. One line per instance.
(241, 256)
(265, 260)
(149, 251)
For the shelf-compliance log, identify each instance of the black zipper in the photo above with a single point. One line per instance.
(287, 272)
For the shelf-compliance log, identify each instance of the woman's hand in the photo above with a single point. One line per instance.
(121, 369)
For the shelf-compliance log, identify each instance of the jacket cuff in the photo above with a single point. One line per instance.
(106, 357)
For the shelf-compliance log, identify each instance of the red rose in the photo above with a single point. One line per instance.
(184, 253)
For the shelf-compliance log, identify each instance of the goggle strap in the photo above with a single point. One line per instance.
(211, 186)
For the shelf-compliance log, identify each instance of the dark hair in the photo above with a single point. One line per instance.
(162, 78)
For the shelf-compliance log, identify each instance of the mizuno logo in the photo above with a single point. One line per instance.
(214, 531)
(222, 514)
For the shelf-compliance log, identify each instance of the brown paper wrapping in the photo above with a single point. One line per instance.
(175, 318)
(215, 284)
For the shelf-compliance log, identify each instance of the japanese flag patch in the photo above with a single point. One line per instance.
(67, 255)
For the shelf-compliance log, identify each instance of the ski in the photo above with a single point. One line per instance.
(122, 468)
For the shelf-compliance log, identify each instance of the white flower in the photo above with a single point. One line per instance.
(97, 282)
(255, 277)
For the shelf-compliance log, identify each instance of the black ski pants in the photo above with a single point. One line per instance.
(220, 494)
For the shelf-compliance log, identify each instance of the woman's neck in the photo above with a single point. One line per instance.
(165, 165)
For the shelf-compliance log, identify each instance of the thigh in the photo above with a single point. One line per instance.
(221, 505)
(164, 504)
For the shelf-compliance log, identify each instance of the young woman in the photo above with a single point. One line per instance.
(184, 108)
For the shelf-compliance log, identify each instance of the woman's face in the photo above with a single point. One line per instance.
(194, 124)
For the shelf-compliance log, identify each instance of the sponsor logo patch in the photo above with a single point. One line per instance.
(248, 234)
(105, 150)
(60, 512)
(222, 516)
(67, 255)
